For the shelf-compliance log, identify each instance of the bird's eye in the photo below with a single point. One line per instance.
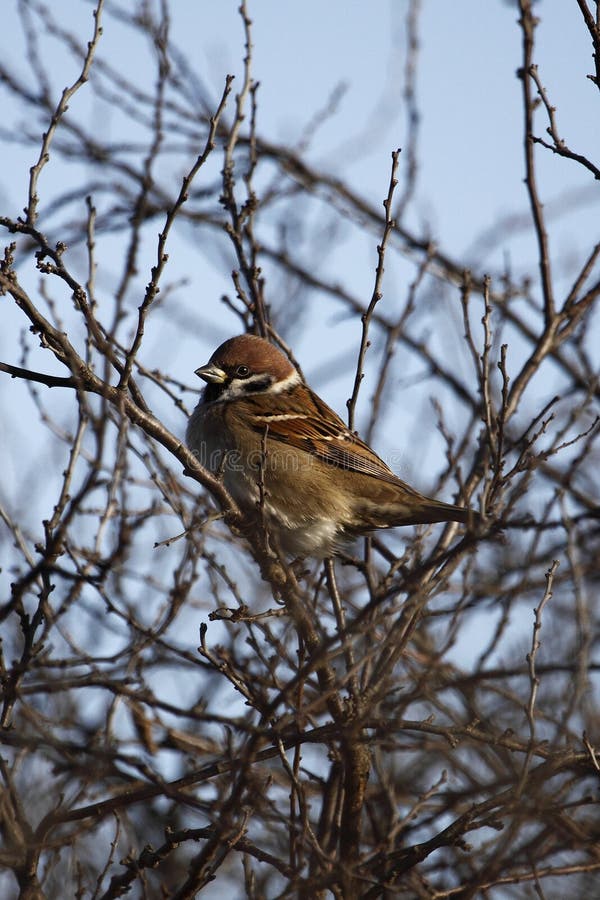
(242, 371)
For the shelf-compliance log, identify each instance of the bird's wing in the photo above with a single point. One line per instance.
(305, 422)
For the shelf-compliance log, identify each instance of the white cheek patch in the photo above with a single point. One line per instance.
(286, 383)
(258, 384)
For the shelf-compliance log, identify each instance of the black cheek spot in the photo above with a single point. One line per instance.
(255, 386)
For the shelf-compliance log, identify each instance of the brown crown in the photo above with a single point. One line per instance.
(255, 352)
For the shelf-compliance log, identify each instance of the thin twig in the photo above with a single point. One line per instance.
(61, 108)
(528, 23)
(377, 291)
(162, 257)
(533, 677)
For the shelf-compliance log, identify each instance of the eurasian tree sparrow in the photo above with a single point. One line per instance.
(287, 457)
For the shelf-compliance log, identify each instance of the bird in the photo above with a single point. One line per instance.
(289, 461)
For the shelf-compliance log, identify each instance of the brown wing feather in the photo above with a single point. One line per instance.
(302, 420)
(319, 431)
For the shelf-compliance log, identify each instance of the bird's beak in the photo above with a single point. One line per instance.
(212, 374)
